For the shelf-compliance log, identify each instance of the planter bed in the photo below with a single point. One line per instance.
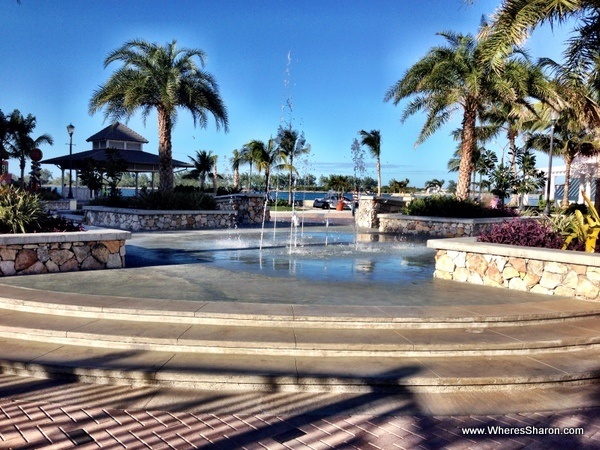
(26, 254)
(537, 270)
(445, 227)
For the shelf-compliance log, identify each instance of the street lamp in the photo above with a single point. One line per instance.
(70, 130)
(553, 118)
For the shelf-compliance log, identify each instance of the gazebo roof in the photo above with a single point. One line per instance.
(137, 160)
(117, 132)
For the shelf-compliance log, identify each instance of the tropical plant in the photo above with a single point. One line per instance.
(372, 140)
(338, 183)
(525, 233)
(203, 165)
(235, 162)
(450, 78)
(514, 21)
(292, 145)
(585, 228)
(19, 139)
(398, 186)
(266, 156)
(162, 78)
(445, 206)
(434, 185)
(20, 211)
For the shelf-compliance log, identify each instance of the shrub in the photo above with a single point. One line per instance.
(20, 211)
(526, 233)
(174, 200)
(443, 206)
(23, 212)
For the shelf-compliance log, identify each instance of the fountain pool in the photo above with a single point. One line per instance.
(315, 254)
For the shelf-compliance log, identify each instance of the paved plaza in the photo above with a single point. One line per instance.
(53, 409)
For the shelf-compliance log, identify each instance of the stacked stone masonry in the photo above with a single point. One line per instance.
(76, 252)
(233, 210)
(522, 273)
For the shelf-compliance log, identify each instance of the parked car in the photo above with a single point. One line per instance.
(331, 201)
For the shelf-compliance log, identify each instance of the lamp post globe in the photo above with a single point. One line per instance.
(70, 130)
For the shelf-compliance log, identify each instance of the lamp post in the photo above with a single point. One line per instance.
(70, 130)
(553, 118)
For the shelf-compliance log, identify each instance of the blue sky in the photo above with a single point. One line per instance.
(344, 57)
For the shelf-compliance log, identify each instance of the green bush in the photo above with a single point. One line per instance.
(23, 212)
(443, 206)
(20, 211)
(173, 200)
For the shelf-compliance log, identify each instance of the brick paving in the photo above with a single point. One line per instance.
(26, 424)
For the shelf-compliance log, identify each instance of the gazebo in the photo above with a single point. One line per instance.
(584, 173)
(128, 142)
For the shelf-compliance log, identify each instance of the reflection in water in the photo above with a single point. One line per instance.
(322, 256)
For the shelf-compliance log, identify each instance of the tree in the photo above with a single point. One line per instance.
(514, 21)
(19, 140)
(162, 78)
(398, 186)
(372, 140)
(435, 185)
(451, 78)
(291, 145)
(235, 162)
(266, 156)
(203, 165)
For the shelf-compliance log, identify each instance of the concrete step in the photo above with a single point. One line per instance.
(287, 373)
(282, 315)
(570, 335)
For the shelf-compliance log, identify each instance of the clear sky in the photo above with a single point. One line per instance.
(344, 57)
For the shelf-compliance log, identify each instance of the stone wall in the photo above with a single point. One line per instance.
(26, 254)
(370, 209)
(437, 226)
(249, 208)
(146, 220)
(537, 270)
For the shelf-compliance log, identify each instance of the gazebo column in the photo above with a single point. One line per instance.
(152, 181)
(137, 175)
(62, 182)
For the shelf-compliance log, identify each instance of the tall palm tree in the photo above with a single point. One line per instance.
(162, 78)
(235, 162)
(372, 140)
(20, 142)
(292, 145)
(447, 79)
(204, 163)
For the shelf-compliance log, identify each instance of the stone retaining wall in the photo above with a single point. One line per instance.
(26, 254)
(537, 270)
(249, 208)
(147, 220)
(438, 226)
(237, 209)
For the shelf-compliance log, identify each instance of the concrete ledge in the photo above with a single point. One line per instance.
(155, 212)
(536, 270)
(68, 236)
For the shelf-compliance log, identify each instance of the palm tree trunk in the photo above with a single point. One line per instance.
(467, 146)
(565, 199)
(236, 179)
(378, 177)
(22, 166)
(165, 126)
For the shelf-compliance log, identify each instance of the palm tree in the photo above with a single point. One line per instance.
(292, 145)
(447, 79)
(235, 162)
(372, 140)
(266, 156)
(162, 78)
(203, 165)
(20, 143)
(514, 21)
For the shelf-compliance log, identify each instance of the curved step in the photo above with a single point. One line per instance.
(351, 374)
(305, 316)
(570, 335)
